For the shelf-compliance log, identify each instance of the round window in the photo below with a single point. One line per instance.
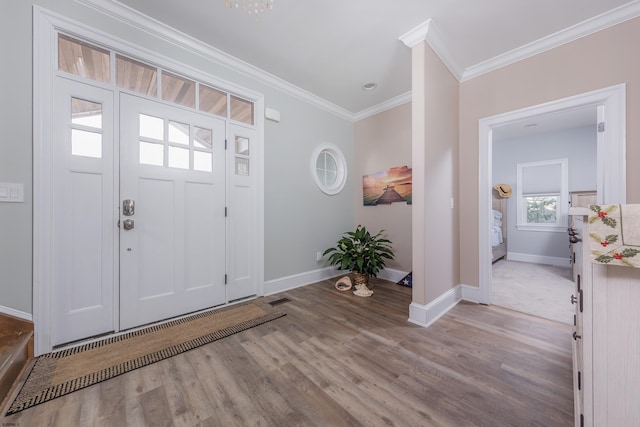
(329, 168)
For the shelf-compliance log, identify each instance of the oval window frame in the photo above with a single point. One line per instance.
(341, 166)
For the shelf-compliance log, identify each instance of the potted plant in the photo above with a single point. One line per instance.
(362, 253)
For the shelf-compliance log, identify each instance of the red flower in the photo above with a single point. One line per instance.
(604, 244)
(617, 255)
(602, 214)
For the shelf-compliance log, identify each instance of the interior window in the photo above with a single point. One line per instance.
(329, 168)
(542, 195)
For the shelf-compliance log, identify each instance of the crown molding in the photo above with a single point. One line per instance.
(439, 46)
(132, 17)
(416, 35)
(383, 106)
(597, 23)
(429, 33)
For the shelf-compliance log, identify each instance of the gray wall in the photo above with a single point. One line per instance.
(299, 219)
(579, 146)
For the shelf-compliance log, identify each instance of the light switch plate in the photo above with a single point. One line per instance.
(11, 192)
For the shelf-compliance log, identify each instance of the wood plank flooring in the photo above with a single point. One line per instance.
(16, 351)
(341, 360)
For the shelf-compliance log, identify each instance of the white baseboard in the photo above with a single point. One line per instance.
(425, 315)
(392, 275)
(297, 280)
(16, 313)
(538, 259)
(470, 293)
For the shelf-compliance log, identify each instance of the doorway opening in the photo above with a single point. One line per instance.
(138, 213)
(610, 163)
(545, 160)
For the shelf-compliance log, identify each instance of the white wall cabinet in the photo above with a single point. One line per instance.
(606, 339)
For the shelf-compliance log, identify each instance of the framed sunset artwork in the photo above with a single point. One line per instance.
(390, 186)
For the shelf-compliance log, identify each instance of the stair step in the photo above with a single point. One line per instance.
(16, 351)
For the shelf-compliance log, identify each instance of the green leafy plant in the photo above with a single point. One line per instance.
(361, 252)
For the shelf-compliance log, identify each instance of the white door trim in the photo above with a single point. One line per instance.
(611, 160)
(45, 26)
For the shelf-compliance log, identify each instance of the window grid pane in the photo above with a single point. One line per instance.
(83, 59)
(86, 144)
(151, 154)
(212, 101)
(86, 113)
(202, 161)
(178, 158)
(178, 133)
(241, 110)
(203, 138)
(178, 90)
(242, 146)
(136, 76)
(541, 209)
(151, 127)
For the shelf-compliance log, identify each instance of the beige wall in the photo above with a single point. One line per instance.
(435, 158)
(606, 58)
(381, 142)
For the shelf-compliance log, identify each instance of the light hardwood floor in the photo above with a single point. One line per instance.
(341, 360)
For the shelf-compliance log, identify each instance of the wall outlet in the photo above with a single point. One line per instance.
(318, 255)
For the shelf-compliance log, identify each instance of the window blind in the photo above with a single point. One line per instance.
(541, 179)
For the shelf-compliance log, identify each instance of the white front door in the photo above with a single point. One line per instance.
(139, 225)
(83, 215)
(172, 211)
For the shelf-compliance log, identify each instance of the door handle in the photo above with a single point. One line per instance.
(128, 224)
(128, 207)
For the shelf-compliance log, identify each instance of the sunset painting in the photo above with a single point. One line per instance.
(384, 188)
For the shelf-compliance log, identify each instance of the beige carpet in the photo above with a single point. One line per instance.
(56, 374)
(541, 290)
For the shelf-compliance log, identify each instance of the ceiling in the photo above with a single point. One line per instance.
(331, 48)
(545, 123)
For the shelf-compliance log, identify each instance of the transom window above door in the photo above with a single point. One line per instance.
(170, 143)
(93, 62)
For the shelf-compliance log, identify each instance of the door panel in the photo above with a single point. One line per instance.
(83, 215)
(172, 165)
(201, 240)
(243, 243)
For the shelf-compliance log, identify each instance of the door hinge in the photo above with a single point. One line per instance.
(226, 211)
(225, 144)
(579, 380)
(225, 279)
(601, 127)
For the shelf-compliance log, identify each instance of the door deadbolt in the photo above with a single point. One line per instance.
(128, 207)
(128, 224)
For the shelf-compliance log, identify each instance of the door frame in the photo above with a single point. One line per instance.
(611, 160)
(46, 24)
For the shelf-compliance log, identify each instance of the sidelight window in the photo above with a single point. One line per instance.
(86, 128)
